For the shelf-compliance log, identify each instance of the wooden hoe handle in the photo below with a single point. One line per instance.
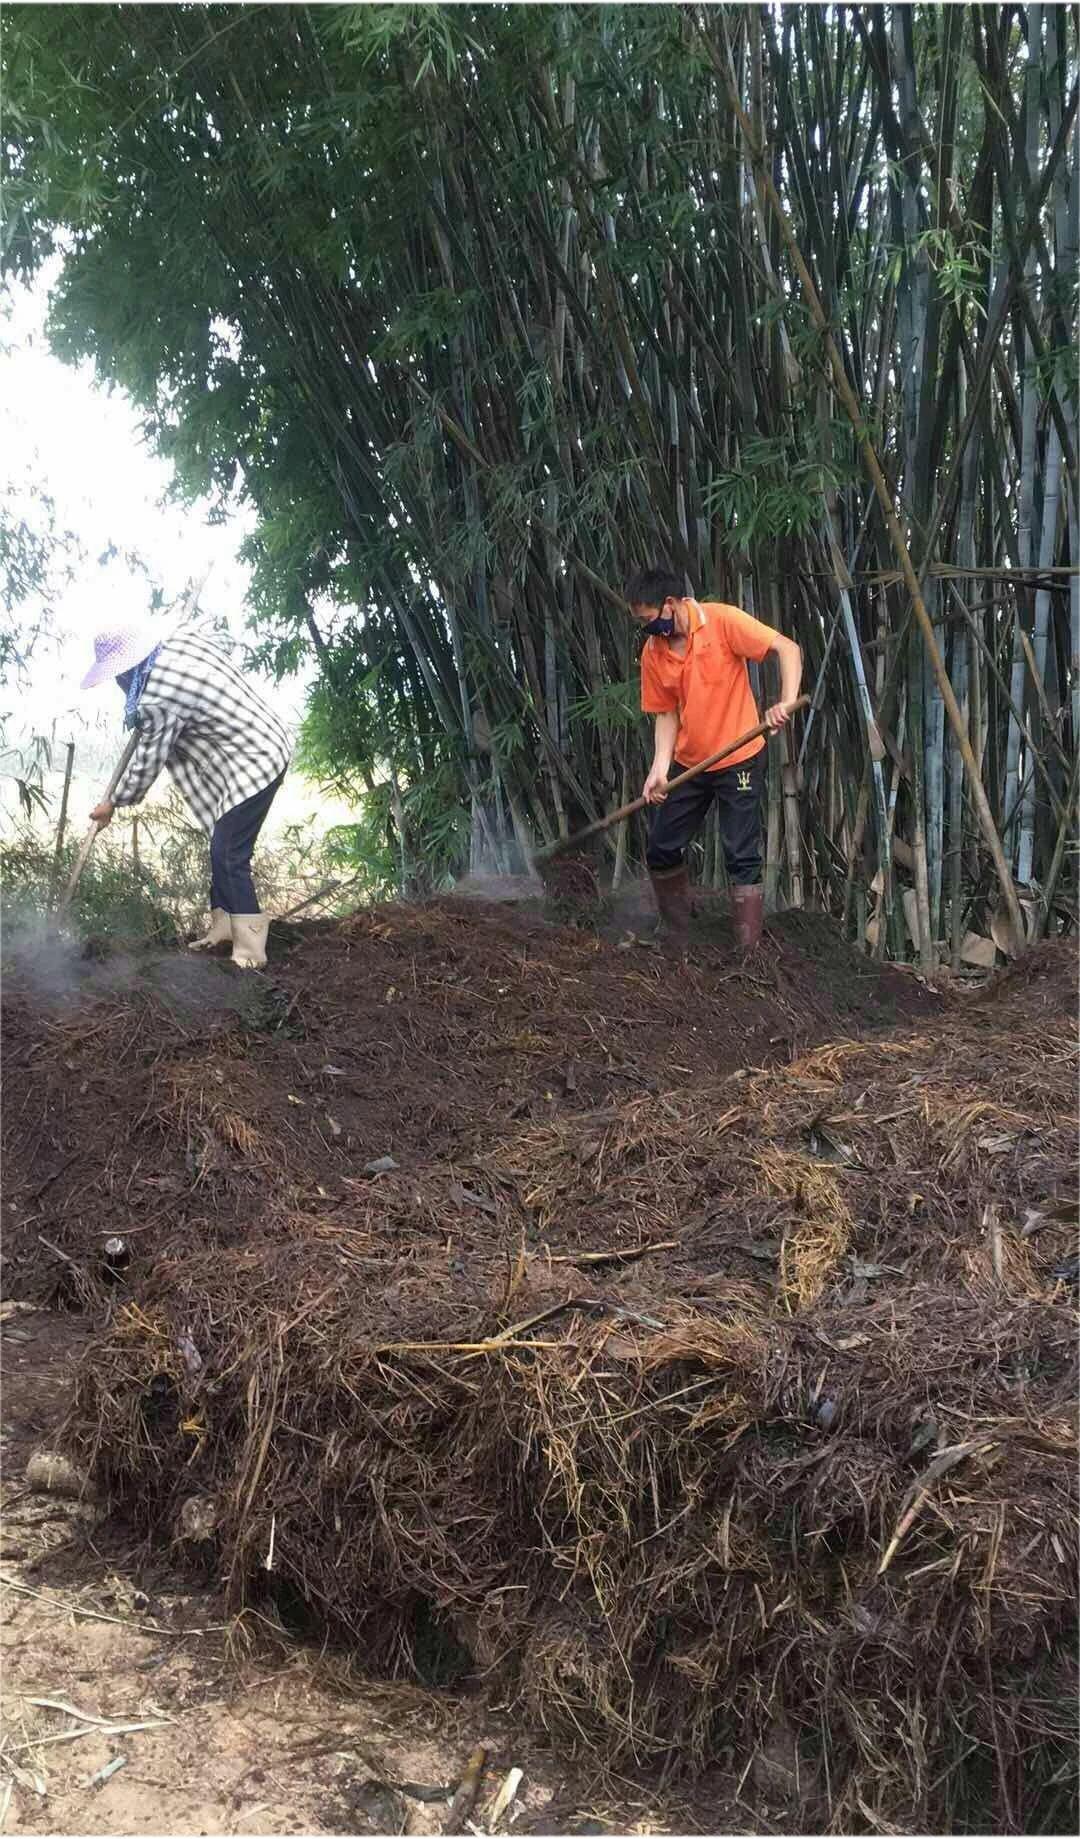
(638, 804)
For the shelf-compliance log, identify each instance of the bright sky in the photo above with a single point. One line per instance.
(63, 436)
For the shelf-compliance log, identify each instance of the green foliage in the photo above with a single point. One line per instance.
(1059, 370)
(349, 742)
(26, 767)
(960, 267)
(37, 559)
(112, 899)
(472, 304)
(775, 492)
(614, 706)
(155, 889)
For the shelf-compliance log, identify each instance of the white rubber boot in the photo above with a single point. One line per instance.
(220, 932)
(249, 932)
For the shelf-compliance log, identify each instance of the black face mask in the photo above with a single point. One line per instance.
(662, 627)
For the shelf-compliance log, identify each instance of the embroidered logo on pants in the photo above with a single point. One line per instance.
(743, 782)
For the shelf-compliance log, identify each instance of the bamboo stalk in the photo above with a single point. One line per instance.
(1035, 651)
(885, 499)
(61, 826)
(1058, 858)
(87, 843)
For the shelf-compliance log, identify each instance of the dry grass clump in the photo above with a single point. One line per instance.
(869, 1161)
(822, 1231)
(657, 1539)
(200, 1102)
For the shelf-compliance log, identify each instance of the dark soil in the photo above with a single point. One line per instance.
(403, 1032)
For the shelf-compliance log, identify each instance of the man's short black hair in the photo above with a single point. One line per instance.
(650, 587)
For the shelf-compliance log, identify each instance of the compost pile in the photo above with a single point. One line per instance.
(687, 1354)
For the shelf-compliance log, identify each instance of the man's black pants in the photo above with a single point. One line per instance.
(736, 792)
(231, 846)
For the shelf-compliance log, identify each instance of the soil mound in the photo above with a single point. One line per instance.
(687, 1354)
(162, 1098)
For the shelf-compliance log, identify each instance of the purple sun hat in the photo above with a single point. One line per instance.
(120, 647)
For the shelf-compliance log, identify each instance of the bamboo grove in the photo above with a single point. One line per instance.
(484, 306)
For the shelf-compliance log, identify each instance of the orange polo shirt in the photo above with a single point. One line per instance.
(710, 686)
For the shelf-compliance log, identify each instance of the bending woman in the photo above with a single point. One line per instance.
(227, 752)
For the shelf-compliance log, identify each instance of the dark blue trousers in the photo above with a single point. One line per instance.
(736, 792)
(231, 847)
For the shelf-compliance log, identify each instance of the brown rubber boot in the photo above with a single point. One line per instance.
(748, 914)
(672, 889)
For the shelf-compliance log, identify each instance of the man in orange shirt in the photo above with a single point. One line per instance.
(695, 682)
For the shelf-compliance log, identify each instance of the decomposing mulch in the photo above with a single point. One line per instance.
(150, 1097)
(687, 1354)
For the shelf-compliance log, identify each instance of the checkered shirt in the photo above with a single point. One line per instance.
(202, 720)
